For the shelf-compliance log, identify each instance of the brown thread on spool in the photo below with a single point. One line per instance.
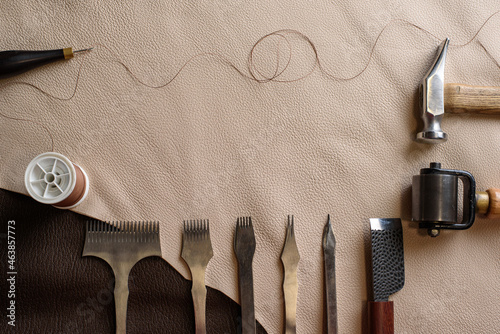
(254, 72)
(77, 193)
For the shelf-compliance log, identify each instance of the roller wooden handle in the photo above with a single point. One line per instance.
(461, 99)
(381, 317)
(494, 203)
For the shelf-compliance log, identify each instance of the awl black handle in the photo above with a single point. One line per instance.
(15, 62)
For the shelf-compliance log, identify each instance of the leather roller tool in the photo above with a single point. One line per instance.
(435, 199)
(438, 98)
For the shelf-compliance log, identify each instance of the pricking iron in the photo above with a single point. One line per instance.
(122, 245)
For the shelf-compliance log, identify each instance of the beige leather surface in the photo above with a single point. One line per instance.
(216, 145)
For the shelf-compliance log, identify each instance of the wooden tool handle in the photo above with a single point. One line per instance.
(494, 203)
(488, 203)
(381, 317)
(461, 99)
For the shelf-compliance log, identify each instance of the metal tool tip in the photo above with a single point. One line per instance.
(444, 47)
(328, 237)
(385, 223)
(84, 50)
(437, 68)
(328, 225)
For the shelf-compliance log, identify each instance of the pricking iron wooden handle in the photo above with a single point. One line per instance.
(465, 99)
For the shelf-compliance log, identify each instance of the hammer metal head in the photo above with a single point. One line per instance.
(432, 93)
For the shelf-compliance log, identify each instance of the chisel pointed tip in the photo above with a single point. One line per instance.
(328, 226)
(328, 237)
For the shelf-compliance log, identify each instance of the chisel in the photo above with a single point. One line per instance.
(330, 284)
(388, 272)
(15, 62)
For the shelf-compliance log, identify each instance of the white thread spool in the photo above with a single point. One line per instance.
(51, 178)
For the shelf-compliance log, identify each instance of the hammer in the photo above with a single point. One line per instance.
(453, 98)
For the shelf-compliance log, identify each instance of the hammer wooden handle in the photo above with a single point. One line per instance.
(461, 99)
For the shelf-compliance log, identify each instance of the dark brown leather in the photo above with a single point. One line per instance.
(59, 291)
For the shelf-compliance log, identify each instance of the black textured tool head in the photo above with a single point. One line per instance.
(387, 257)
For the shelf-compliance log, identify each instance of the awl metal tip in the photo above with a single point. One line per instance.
(84, 50)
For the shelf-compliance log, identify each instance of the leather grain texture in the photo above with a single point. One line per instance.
(59, 291)
(217, 146)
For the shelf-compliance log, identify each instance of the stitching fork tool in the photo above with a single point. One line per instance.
(197, 252)
(244, 248)
(290, 258)
(122, 245)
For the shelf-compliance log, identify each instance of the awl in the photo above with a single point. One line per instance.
(388, 272)
(330, 284)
